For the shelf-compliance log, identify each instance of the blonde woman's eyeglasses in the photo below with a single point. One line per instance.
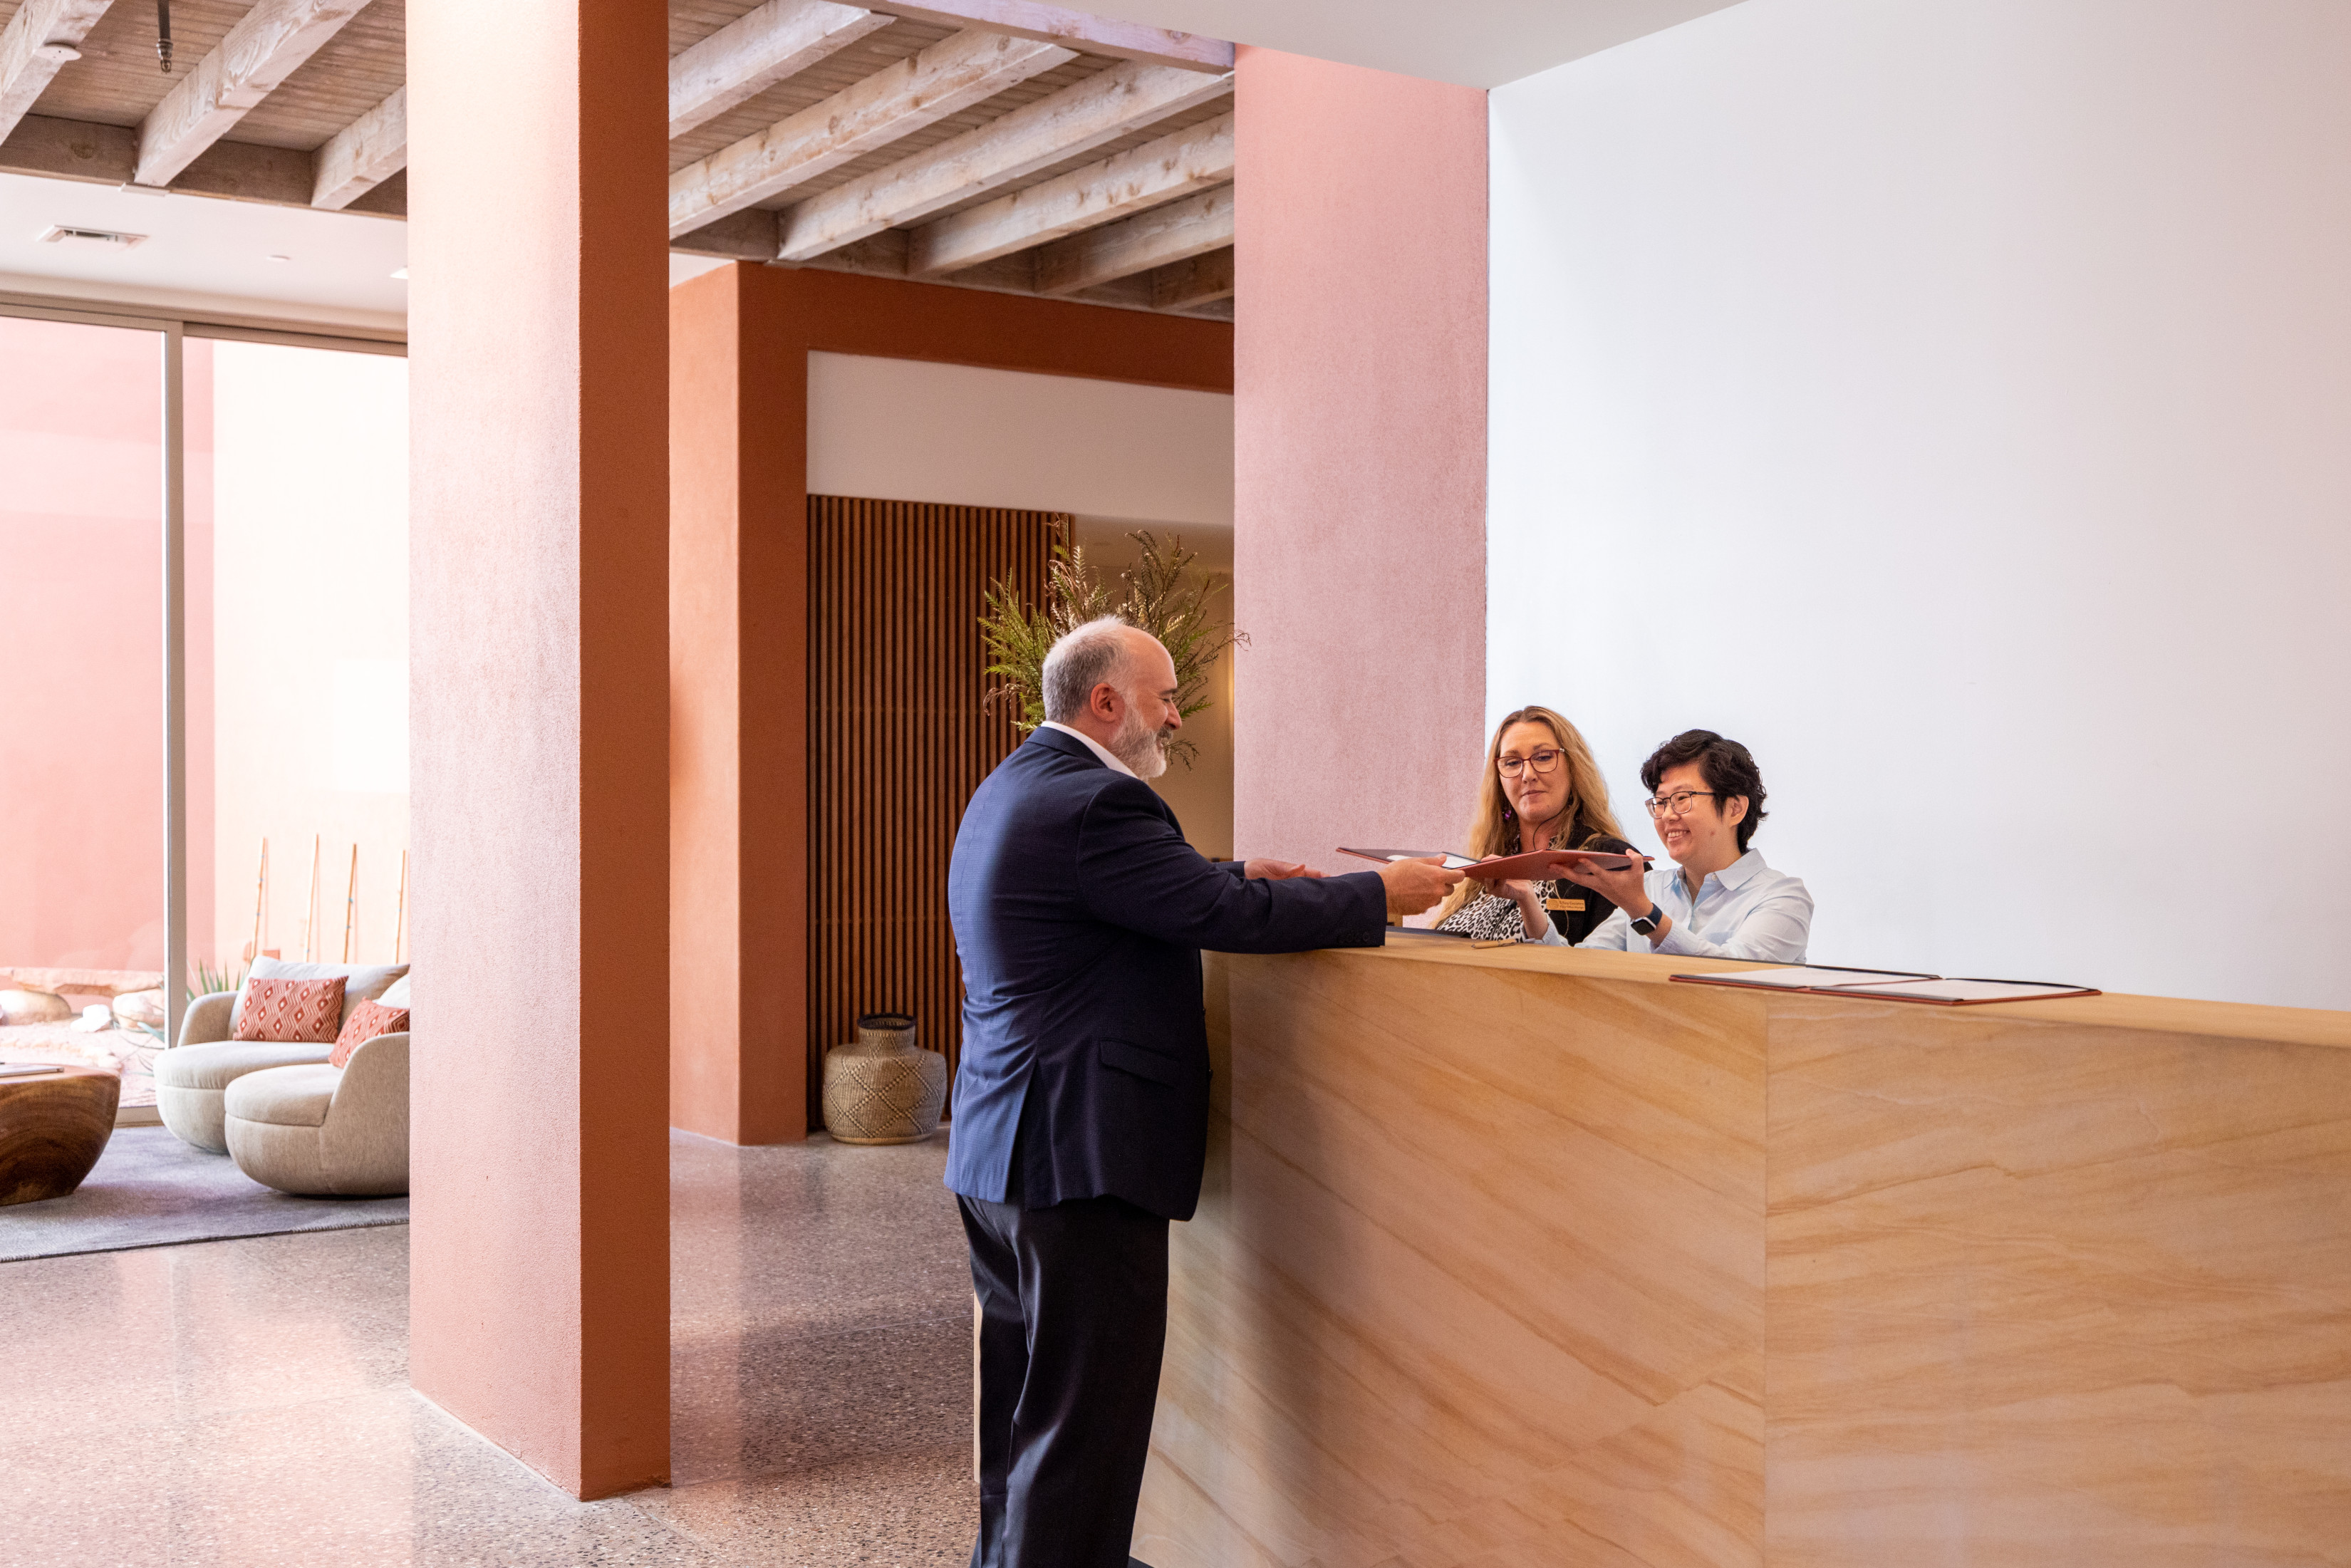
(1544, 760)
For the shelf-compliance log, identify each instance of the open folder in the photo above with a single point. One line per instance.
(1889, 986)
(1539, 866)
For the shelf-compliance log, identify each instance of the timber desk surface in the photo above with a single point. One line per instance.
(1525, 1256)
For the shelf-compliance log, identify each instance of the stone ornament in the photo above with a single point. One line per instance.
(33, 1006)
(883, 1087)
(135, 1008)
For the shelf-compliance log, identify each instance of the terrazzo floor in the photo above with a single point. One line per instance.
(245, 1404)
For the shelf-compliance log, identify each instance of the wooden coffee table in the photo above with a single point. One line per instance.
(53, 1127)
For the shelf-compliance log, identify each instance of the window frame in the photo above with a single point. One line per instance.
(174, 328)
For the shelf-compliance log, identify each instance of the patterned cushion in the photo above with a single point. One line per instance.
(367, 1020)
(361, 982)
(290, 1009)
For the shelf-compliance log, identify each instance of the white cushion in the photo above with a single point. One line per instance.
(284, 1096)
(216, 1067)
(395, 995)
(361, 982)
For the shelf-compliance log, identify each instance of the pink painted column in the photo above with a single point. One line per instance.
(539, 1294)
(1359, 412)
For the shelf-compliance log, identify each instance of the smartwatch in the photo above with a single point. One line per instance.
(1645, 923)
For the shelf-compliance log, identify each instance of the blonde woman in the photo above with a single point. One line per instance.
(1542, 791)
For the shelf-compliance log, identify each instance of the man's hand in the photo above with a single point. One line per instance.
(1416, 884)
(1275, 870)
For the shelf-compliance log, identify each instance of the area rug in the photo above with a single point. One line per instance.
(149, 1189)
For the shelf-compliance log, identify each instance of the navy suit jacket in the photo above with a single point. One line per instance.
(1080, 913)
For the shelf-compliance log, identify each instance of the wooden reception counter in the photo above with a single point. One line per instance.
(1523, 1256)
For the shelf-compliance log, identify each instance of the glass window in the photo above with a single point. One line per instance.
(81, 753)
(299, 592)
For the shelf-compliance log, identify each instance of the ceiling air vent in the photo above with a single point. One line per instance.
(101, 239)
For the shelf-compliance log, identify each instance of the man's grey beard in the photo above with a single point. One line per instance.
(1141, 748)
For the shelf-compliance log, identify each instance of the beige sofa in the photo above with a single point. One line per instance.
(191, 1079)
(325, 1131)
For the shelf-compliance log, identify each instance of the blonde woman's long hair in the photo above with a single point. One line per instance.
(1493, 830)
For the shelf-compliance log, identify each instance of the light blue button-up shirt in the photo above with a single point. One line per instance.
(1746, 910)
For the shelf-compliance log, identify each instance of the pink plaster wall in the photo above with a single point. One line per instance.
(1359, 380)
(539, 1257)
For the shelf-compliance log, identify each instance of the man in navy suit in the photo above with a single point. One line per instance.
(1081, 1104)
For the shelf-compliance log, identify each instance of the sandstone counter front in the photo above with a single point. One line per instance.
(1520, 1256)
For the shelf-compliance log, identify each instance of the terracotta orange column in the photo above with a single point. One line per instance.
(738, 719)
(1359, 436)
(539, 1294)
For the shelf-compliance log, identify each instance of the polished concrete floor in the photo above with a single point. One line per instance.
(245, 1403)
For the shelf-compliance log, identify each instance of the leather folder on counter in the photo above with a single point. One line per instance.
(1541, 865)
(1889, 986)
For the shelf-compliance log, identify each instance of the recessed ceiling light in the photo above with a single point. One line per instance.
(401, 275)
(94, 239)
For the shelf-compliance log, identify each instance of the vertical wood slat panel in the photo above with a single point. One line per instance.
(897, 745)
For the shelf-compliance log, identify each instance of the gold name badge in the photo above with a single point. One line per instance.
(1576, 904)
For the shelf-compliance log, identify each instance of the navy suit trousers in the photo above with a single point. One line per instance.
(1074, 1320)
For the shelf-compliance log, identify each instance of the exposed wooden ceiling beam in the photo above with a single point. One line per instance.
(746, 236)
(1090, 35)
(1176, 232)
(1148, 176)
(41, 39)
(362, 154)
(753, 53)
(953, 73)
(1076, 119)
(265, 48)
(1198, 281)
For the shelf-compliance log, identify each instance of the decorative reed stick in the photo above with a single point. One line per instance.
(351, 904)
(400, 920)
(260, 904)
(310, 907)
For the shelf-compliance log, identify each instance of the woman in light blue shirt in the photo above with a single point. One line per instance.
(1719, 900)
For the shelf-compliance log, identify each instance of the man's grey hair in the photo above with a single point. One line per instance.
(1083, 658)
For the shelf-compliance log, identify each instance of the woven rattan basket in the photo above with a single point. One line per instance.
(881, 1087)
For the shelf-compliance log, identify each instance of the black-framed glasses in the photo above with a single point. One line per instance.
(1543, 759)
(1676, 804)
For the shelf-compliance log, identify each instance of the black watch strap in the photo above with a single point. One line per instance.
(1645, 923)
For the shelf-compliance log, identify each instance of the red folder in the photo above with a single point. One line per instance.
(1541, 865)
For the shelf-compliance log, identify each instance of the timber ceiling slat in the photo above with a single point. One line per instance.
(117, 83)
(36, 42)
(1020, 95)
(1213, 109)
(835, 73)
(1004, 152)
(965, 70)
(358, 67)
(690, 21)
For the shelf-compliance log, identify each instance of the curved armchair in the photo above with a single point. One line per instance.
(322, 1131)
(192, 1078)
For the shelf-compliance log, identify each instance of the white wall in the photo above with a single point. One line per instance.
(1951, 399)
(1118, 457)
(903, 430)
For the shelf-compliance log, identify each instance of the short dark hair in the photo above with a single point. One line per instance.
(1728, 767)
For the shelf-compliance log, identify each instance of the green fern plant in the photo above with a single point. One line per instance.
(1163, 593)
(209, 979)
